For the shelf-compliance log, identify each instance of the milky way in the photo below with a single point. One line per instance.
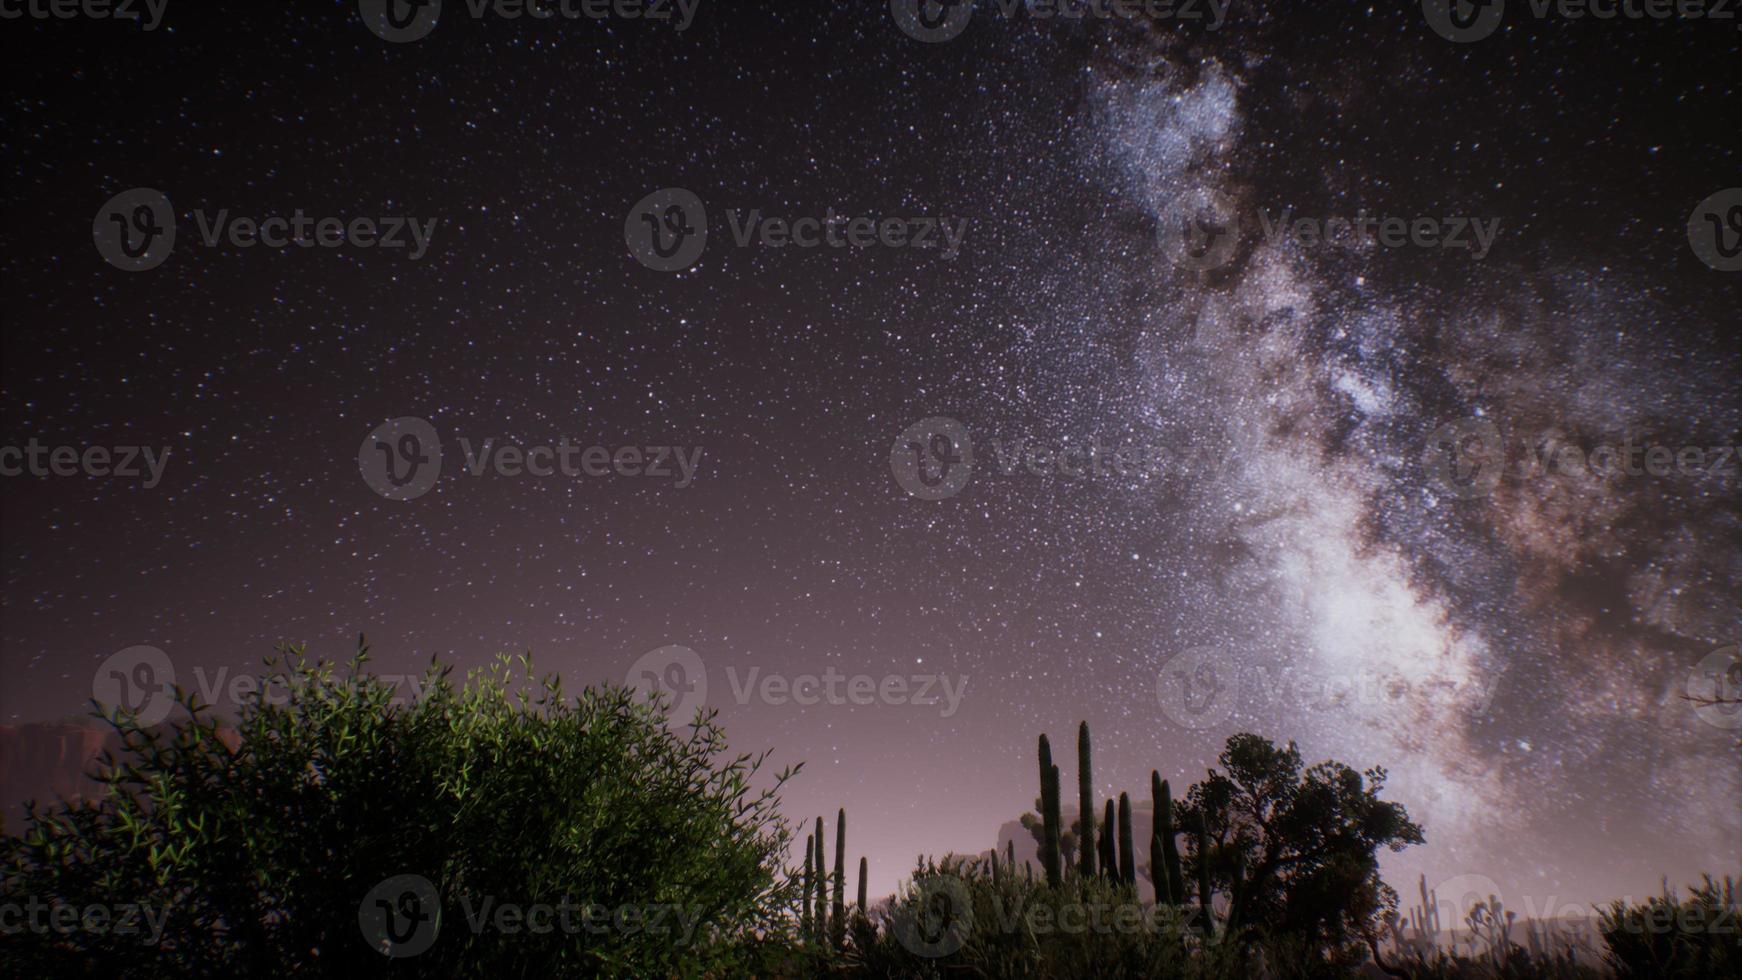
(1516, 657)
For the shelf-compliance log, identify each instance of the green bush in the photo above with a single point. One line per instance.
(263, 851)
(1670, 938)
(956, 918)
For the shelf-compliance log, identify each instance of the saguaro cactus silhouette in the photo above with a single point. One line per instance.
(822, 915)
(1109, 856)
(1085, 805)
(1158, 876)
(1049, 814)
(1127, 856)
(1164, 866)
(864, 910)
(804, 916)
(838, 914)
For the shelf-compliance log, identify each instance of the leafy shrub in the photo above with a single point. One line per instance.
(956, 918)
(1669, 938)
(260, 851)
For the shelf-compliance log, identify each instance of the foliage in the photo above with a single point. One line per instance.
(1671, 938)
(957, 918)
(259, 847)
(1295, 849)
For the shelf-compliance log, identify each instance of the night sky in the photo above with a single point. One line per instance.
(1515, 654)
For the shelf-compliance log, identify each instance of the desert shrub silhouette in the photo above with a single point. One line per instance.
(261, 848)
(1674, 938)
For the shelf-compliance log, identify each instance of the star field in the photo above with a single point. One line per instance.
(1542, 634)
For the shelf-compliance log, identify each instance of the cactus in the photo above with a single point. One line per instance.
(1427, 918)
(1049, 806)
(838, 914)
(864, 909)
(821, 923)
(1203, 862)
(804, 916)
(1085, 805)
(1109, 856)
(1157, 859)
(1127, 856)
(1164, 864)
